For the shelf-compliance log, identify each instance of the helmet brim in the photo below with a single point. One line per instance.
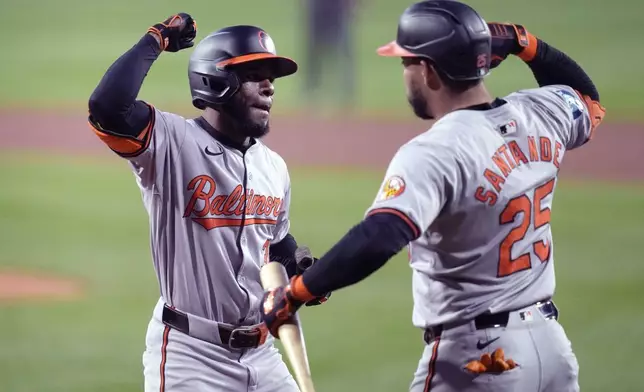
(280, 66)
(392, 49)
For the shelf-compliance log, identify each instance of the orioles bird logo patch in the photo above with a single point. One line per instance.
(393, 187)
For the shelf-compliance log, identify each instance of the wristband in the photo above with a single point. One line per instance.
(528, 42)
(299, 290)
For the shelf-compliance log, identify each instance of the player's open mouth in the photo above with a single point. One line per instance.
(264, 107)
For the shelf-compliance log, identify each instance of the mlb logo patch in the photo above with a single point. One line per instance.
(573, 102)
(526, 316)
(508, 128)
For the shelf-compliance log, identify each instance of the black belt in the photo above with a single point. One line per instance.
(489, 320)
(235, 338)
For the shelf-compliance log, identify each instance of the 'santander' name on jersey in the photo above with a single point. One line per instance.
(225, 210)
(510, 156)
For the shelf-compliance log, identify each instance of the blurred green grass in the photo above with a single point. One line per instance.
(55, 52)
(84, 218)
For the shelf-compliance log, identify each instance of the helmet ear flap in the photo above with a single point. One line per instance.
(208, 90)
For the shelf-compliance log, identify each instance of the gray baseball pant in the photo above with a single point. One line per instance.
(176, 362)
(539, 346)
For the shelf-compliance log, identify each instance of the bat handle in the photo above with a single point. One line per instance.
(273, 275)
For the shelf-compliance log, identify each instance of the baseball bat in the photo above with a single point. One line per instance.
(273, 274)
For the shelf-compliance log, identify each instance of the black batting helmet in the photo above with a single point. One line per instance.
(211, 67)
(450, 34)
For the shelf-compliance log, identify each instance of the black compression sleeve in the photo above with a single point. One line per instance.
(551, 66)
(284, 253)
(113, 103)
(362, 251)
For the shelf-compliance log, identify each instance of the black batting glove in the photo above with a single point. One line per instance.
(319, 300)
(175, 33)
(304, 259)
(278, 307)
(507, 39)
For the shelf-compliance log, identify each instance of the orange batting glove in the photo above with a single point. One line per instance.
(495, 363)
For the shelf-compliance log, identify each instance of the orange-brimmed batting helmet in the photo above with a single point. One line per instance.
(211, 68)
(448, 33)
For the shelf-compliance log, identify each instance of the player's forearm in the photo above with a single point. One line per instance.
(113, 103)
(284, 253)
(361, 252)
(552, 66)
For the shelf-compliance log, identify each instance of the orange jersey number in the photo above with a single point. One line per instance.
(266, 249)
(531, 210)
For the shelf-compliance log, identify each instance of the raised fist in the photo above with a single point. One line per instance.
(507, 39)
(175, 33)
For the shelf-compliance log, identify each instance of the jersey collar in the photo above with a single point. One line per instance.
(223, 139)
(487, 105)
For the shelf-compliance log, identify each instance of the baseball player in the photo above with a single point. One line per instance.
(472, 199)
(218, 204)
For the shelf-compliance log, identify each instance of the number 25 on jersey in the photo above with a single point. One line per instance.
(533, 214)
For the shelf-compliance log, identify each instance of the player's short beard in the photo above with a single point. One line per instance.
(238, 110)
(418, 103)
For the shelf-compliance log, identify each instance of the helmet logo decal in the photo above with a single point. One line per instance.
(266, 42)
(481, 60)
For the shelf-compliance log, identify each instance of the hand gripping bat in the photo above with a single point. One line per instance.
(273, 274)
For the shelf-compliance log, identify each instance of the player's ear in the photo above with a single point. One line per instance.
(430, 76)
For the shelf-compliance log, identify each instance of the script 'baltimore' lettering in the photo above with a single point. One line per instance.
(223, 210)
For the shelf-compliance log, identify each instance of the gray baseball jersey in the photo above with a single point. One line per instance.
(477, 188)
(213, 212)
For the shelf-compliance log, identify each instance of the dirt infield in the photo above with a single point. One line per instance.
(614, 153)
(21, 286)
